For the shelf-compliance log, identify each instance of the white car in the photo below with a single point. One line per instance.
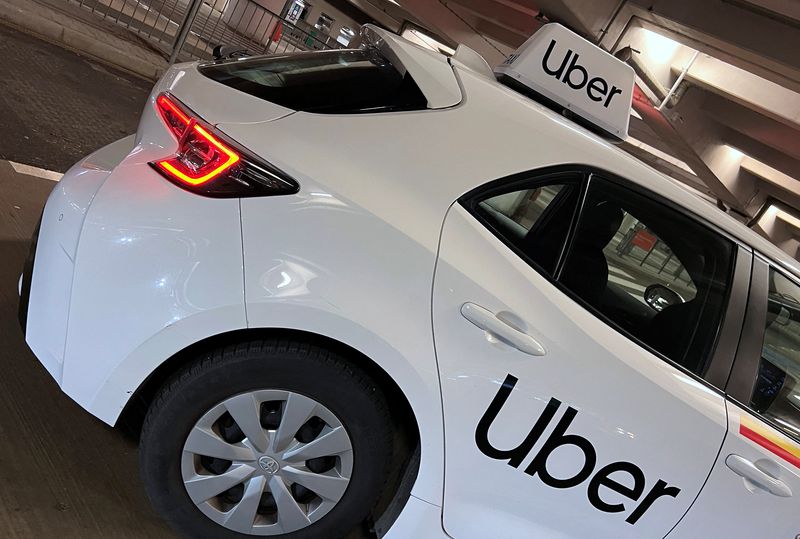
(386, 293)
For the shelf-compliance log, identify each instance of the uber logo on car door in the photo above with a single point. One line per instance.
(559, 437)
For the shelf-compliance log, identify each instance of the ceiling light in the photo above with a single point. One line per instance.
(734, 152)
(658, 48)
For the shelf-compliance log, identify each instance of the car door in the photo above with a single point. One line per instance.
(574, 405)
(754, 488)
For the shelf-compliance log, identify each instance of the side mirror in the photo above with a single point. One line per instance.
(659, 297)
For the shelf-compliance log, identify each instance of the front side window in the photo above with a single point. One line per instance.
(776, 394)
(652, 272)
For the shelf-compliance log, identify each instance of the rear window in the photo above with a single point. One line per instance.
(329, 82)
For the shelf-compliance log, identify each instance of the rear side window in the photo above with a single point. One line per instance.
(776, 394)
(535, 221)
(329, 82)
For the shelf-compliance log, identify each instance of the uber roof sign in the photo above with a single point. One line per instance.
(575, 74)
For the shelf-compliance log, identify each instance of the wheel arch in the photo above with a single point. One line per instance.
(406, 461)
(173, 364)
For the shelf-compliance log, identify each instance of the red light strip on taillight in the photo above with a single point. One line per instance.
(233, 158)
(178, 167)
(165, 107)
(167, 104)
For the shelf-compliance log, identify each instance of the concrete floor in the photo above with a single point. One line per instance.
(63, 473)
(57, 106)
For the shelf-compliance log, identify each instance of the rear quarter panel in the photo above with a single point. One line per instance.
(322, 264)
(156, 269)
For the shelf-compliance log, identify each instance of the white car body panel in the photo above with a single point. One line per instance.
(757, 513)
(64, 214)
(187, 265)
(431, 71)
(674, 434)
(143, 238)
(144, 269)
(299, 277)
(420, 520)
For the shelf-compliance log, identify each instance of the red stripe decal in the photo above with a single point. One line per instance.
(769, 445)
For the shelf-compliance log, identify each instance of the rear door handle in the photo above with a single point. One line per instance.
(487, 321)
(748, 470)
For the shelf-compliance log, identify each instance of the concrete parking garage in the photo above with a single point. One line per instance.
(716, 109)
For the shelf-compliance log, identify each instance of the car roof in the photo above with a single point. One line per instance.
(601, 154)
(428, 159)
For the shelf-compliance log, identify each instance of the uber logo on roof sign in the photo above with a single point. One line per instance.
(559, 438)
(575, 74)
(597, 88)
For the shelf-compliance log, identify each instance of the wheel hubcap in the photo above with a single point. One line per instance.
(269, 465)
(267, 462)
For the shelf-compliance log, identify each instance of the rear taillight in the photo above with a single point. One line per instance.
(208, 163)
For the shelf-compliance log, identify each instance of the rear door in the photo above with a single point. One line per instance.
(578, 383)
(754, 489)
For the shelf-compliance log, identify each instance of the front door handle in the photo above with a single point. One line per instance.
(487, 321)
(748, 470)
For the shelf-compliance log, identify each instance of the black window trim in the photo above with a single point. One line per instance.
(727, 338)
(519, 182)
(729, 333)
(744, 374)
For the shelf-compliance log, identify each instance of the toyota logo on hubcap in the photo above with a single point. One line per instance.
(269, 465)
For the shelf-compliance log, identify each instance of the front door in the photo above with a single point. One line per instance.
(573, 346)
(754, 489)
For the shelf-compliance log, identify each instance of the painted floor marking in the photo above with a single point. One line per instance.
(29, 170)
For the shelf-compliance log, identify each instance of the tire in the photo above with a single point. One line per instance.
(192, 398)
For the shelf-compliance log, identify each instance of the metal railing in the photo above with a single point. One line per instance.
(190, 29)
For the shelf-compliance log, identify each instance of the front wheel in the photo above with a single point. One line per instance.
(281, 439)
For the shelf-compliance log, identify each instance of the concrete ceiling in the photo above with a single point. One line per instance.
(731, 129)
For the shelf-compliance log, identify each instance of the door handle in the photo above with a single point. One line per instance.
(487, 321)
(745, 468)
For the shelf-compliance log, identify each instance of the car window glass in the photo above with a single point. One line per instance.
(776, 394)
(650, 261)
(652, 272)
(330, 82)
(536, 221)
